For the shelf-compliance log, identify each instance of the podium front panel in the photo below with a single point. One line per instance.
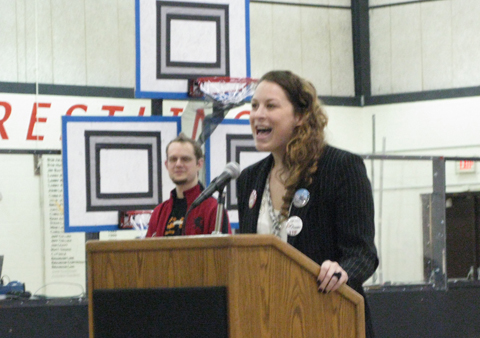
(170, 312)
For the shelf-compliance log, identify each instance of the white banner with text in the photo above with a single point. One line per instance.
(30, 121)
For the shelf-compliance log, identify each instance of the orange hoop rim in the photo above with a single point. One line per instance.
(246, 80)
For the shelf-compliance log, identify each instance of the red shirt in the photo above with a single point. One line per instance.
(200, 221)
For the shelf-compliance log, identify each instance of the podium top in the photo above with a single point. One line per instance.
(217, 241)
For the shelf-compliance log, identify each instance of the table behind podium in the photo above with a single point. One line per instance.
(252, 286)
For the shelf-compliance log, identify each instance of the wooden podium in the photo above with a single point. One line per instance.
(271, 286)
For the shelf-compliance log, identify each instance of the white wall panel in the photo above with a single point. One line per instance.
(316, 2)
(21, 29)
(466, 43)
(126, 42)
(22, 221)
(388, 2)
(436, 45)
(343, 82)
(287, 38)
(381, 51)
(31, 41)
(102, 41)
(45, 41)
(428, 125)
(349, 128)
(316, 59)
(406, 49)
(261, 39)
(280, 1)
(69, 42)
(8, 41)
(346, 3)
(414, 47)
(314, 42)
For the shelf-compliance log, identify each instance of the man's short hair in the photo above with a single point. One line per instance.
(182, 138)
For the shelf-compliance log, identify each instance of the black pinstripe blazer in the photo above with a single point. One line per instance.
(338, 220)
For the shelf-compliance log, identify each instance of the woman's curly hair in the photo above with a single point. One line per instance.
(308, 139)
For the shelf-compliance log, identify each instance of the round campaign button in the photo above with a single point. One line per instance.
(301, 198)
(294, 225)
(252, 199)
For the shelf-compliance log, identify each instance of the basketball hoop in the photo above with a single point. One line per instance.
(225, 90)
(224, 93)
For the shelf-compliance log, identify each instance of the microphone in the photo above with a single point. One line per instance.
(231, 171)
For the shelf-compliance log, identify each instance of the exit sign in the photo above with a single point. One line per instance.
(465, 167)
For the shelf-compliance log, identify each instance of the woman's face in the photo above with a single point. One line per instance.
(272, 118)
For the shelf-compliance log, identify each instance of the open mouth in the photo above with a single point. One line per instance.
(263, 130)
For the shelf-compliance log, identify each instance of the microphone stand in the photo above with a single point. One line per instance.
(219, 218)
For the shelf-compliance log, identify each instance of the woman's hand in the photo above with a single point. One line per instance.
(331, 277)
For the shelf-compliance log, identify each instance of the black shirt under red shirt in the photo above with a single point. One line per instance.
(175, 221)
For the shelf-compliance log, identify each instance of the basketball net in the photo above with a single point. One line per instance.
(221, 94)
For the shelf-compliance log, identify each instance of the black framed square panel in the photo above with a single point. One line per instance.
(180, 40)
(236, 144)
(192, 40)
(112, 164)
(120, 167)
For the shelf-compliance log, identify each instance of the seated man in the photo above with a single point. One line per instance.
(184, 161)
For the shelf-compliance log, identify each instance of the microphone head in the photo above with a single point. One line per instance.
(233, 168)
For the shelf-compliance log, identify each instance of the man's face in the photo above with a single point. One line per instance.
(182, 165)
